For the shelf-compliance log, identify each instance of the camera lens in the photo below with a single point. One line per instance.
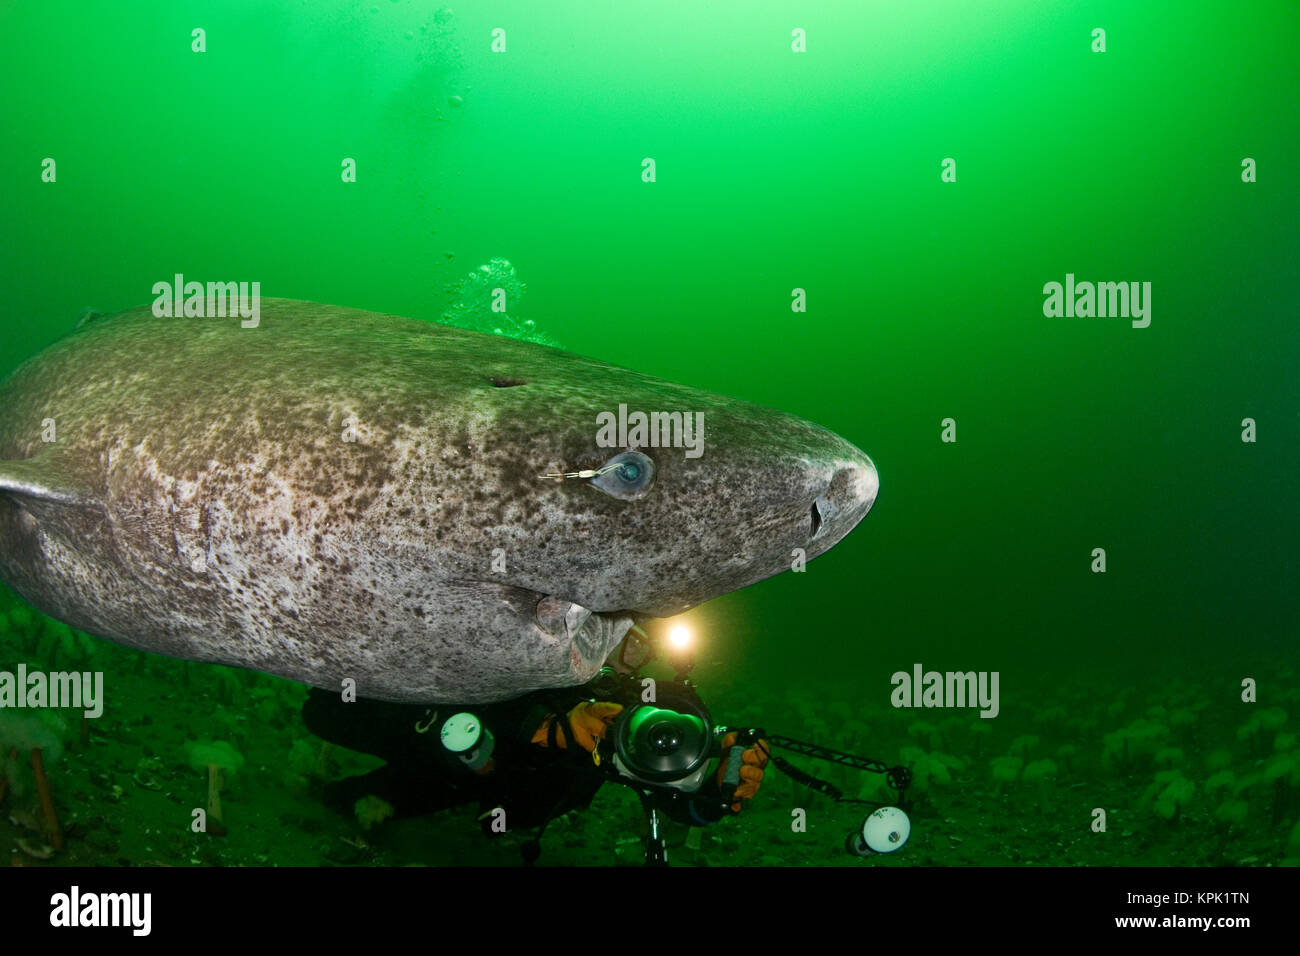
(664, 738)
(662, 743)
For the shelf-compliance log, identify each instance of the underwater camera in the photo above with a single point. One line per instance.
(662, 742)
(667, 743)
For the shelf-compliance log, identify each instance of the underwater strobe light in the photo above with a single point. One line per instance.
(465, 736)
(678, 651)
(884, 831)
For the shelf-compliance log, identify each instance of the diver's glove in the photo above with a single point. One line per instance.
(588, 722)
(749, 776)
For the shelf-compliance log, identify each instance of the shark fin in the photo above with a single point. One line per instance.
(40, 480)
(88, 315)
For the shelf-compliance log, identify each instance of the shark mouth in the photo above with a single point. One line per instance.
(592, 635)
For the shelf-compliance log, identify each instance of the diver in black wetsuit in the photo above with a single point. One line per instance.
(530, 768)
(530, 781)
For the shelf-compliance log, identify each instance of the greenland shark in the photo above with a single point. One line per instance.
(431, 512)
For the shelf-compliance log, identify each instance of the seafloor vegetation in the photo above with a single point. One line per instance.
(1186, 773)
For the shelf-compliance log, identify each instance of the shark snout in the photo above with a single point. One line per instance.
(849, 493)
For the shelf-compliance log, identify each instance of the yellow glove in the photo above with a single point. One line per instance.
(752, 761)
(589, 720)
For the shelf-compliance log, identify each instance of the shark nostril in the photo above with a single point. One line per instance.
(852, 486)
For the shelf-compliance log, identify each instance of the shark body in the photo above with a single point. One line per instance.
(338, 494)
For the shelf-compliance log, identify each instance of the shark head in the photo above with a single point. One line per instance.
(611, 496)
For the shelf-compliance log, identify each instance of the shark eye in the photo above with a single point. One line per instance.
(627, 476)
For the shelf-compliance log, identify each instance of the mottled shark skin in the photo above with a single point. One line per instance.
(343, 494)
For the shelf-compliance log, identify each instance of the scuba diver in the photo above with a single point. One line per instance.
(529, 760)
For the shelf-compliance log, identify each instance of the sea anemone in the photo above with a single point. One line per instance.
(1273, 718)
(38, 732)
(1172, 793)
(1283, 771)
(1141, 738)
(1181, 719)
(1052, 718)
(1042, 773)
(1231, 813)
(1168, 757)
(928, 768)
(1006, 770)
(1024, 745)
(1067, 754)
(1219, 759)
(21, 627)
(1222, 780)
(1229, 816)
(925, 732)
(1261, 723)
(217, 758)
(840, 710)
(873, 788)
(60, 646)
(229, 684)
(40, 739)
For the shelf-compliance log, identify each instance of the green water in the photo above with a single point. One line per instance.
(775, 171)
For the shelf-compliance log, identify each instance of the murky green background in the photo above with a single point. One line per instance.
(778, 171)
